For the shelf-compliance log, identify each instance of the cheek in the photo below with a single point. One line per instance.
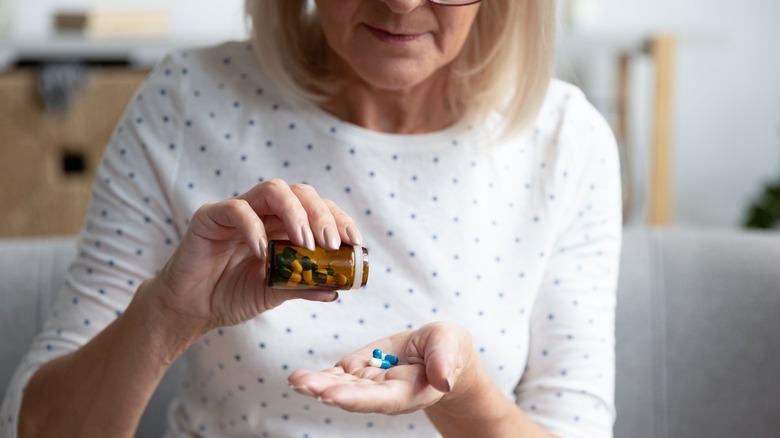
(458, 22)
(334, 32)
(449, 49)
(334, 19)
(456, 35)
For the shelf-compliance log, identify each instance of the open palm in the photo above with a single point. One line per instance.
(430, 359)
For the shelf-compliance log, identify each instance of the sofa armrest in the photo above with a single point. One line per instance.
(32, 273)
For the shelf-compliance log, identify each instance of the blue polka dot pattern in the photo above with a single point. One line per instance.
(517, 242)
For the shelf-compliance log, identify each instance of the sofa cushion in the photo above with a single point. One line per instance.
(697, 332)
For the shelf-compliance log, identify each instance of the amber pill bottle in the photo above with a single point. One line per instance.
(293, 267)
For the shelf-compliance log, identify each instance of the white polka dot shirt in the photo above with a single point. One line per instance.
(518, 242)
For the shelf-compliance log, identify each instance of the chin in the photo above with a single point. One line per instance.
(395, 76)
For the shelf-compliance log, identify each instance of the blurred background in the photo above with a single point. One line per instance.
(691, 88)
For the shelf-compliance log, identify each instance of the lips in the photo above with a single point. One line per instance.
(393, 38)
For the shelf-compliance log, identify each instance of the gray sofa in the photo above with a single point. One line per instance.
(698, 330)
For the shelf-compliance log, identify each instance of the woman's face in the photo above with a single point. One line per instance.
(394, 44)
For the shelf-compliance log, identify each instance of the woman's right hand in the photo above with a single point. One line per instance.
(217, 276)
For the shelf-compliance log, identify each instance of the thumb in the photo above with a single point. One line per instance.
(275, 297)
(440, 368)
(444, 348)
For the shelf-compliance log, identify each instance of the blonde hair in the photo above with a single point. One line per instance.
(505, 65)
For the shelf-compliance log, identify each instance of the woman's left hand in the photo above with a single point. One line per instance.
(436, 362)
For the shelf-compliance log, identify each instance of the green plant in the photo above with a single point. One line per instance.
(765, 212)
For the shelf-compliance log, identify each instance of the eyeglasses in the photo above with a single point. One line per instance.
(454, 2)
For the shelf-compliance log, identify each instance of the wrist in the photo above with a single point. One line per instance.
(170, 332)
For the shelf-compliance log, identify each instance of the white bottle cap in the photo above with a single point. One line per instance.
(357, 255)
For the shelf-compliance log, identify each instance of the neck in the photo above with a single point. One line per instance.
(418, 109)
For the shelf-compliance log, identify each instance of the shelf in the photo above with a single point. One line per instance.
(140, 53)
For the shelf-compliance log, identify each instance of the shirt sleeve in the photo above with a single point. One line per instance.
(128, 233)
(568, 385)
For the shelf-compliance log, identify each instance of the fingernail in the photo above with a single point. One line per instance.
(354, 235)
(326, 401)
(308, 237)
(263, 248)
(301, 390)
(331, 236)
(450, 379)
(335, 297)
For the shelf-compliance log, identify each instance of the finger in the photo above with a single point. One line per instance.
(232, 214)
(440, 345)
(440, 369)
(321, 219)
(274, 197)
(365, 397)
(276, 297)
(395, 391)
(275, 229)
(297, 382)
(296, 379)
(314, 383)
(347, 229)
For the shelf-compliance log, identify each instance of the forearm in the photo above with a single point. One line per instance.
(102, 388)
(478, 408)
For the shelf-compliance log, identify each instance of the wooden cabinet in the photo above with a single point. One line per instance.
(48, 160)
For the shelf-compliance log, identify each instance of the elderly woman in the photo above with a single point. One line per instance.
(430, 132)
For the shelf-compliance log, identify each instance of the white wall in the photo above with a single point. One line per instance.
(199, 20)
(727, 115)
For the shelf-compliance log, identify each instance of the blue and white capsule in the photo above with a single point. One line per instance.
(379, 363)
(388, 357)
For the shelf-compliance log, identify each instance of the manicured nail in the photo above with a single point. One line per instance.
(308, 237)
(326, 401)
(354, 235)
(331, 236)
(263, 244)
(301, 390)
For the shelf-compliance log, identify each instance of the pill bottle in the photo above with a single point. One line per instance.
(293, 267)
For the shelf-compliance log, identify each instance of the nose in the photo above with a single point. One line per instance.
(403, 6)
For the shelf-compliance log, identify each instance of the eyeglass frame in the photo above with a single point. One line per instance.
(448, 2)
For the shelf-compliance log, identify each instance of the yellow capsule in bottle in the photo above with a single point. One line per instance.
(292, 267)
